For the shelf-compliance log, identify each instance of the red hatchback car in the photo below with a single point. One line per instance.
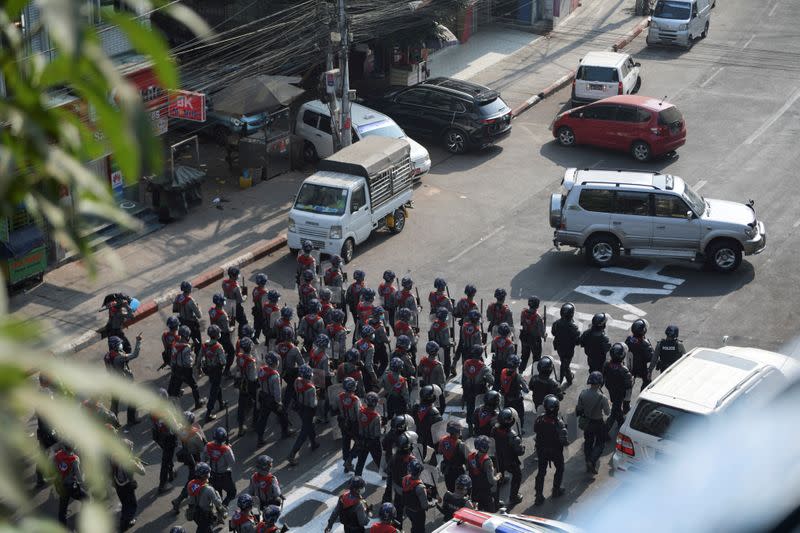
(644, 126)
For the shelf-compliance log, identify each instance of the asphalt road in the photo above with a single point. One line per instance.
(482, 218)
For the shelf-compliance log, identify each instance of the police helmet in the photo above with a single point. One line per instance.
(500, 294)
(399, 423)
(551, 404)
(427, 394)
(359, 275)
(184, 332)
(672, 332)
(218, 299)
(396, 364)
(114, 343)
(286, 312)
(474, 316)
(388, 276)
(264, 463)
(374, 321)
(273, 295)
(336, 261)
(439, 284)
(514, 361)
(403, 443)
(307, 246)
(233, 272)
(173, 322)
(367, 331)
(308, 275)
(186, 286)
(371, 400)
(189, 416)
(322, 341)
(261, 279)
(404, 341)
(349, 384)
(476, 351)
(286, 334)
(504, 329)
(213, 331)
(404, 314)
(368, 294)
(325, 294)
(337, 316)
(482, 443)
(432, 348)
(271, 514)
(492, 398)
(618, 352)
(599, 320)
(442, 313)
(314, 306)
(545, 366)
(305, 372)
(351, 355)
(244, 502)
(357, 484)
(470, 290)
(463, 481)
(378, 311)
(454, 427)
(202, 469)
(272, 359)
(595, 378)
(568, 310)
(219, 435)
(387, 512)
(506, 417)
(639, 327)
(533, 302)
(246, 344)
(415, 468)
(407, 282)
(247, 331)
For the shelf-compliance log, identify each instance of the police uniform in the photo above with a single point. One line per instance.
(189, 315)
(431, 372)
(125, 487)
(221, 460)
(483, 419)
(351, 370)
(234, 302)
(118, 313)
(352, 297)
(205, 503)
(168, 340)
(425, 416)
(212, 361)
(540, 386)
(291, 359)
(641, 358)
(270, 401)
(248, 390)
(481, 471)
(452, 502)
(415, 502)
(305, 293)
(497, 313)
(304, 262)
(259, 296)
(243, 522)
(402, 327)
(218, 317)
(666, 353)
(619, 384)
(69, 482)
(509, 449)
(397, 469)
(551, 438)
(596, 346)
(475, 380)
(592, 405)
(368, 441)
(395, 388)
(530, 337)
(265, 488)
(117, 362)
(454, 459)
(440, 333)
(270, 313)
(512, 387)
(183, 372)
(502, 348)
(387, 293)
(337, 333)
(306, 398)
(167, 441)
(193, 441)
(565, 337)
(366, 351)
(351, 511)
(348, 406)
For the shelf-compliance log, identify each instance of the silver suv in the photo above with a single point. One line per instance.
(608, 212)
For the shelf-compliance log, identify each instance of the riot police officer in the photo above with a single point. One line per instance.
(219, 317)
(484, 417)
(386, 515)
(509, 449)
(592, 405)
(425, 416)
(167, 440)
(513, 387)
(204, 501)
(416, 500)
(395, 388)
(368, 433)
(387, 292)
(531, 333)
(454, 454)
(212, 362)
(259, 293)
(551, 439)
(117, 361)
(668, 350)
(431, 372)
(193, 441)
(188, 313)
(353, 294)
(565, 337)
(351, 368)
(542, 384)
(595, 342)
(397, 427)
(439, 333)
(306, 398)
(476, 379)
(351, 508)
(619, 384)
(183, 364)
(484, 479)
(305, 260)
(502, 348)
(234, 298)
(270, 399)
(264, 485)
(397, 469)
(498, 312)
(311, 324)
(455, 499)
(243, 519)
(306, 292)
(218, 455)
(641, 358)
(248, 386)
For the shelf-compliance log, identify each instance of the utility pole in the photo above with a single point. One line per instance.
(324, 9)
(344, 55)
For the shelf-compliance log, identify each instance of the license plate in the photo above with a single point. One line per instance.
(596, 87)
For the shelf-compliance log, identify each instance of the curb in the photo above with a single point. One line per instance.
(564, 80)
(151, 307)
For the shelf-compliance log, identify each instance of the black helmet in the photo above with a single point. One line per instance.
(184, 332)
(454, 427)
(439, 284)
(599, 320)
(261, 279)
(568, 310)
(470, 290)
(173, 322)
(504, 329)
(403, 443)
(639, 327)
(545, 366)
(407, 282)
(482, 443)
(186, 286)
(672, 332)
(551, 404)
(506, 417)
(427, 394)
(500, 294)
(233, 272)
(533, 302)
(357, 484)
(307, 246)
(264, 463)
(464, 481)
(476, 351)
(595, 378)
(399, 423)
(618, 352)
(389, 276)
(492, 398)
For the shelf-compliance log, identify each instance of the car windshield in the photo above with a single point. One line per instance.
(598, 74)
(695, 201)
(672, 10)
(384, 128)
(492, 107)
(661, 420)
(321, 199)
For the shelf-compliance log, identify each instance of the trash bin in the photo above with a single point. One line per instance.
(23, 255)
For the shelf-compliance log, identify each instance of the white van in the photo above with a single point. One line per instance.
(364, 187)
(604, 74)
(679, 22)
(703, 383)
(314, 126)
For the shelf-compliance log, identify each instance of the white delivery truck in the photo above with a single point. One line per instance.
(361, 188)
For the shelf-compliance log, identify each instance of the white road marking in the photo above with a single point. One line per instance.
(651, 272)
(711, 77)
(475, 244)
(616, 296)
(750, 40)
(700, 185)
(756, 134)
(772, 11)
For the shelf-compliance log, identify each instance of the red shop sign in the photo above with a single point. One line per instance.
(187, 105)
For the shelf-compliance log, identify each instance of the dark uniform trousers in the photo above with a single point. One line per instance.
(167, 443)
(223, 482)
(214, 374)
(75, 492)
(230, 351)
(127, 497)
(365, 447)
(528, 348)
(545, 457)
(616, 415)
(594, 437)
(307, 430)
(204, 520)
(266, 406)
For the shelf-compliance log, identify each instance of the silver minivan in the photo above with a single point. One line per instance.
(679, 22)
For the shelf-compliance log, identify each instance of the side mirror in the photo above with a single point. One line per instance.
(637, 64)
(694, 15)
(689, 214)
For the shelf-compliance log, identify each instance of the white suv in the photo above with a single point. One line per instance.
(647, 214)
(703, 383)
(604, 74)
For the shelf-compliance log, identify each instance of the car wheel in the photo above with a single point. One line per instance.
(565, 136)
(640, 151)
(347, 250)
(399, 221)
(638, 85)
(705, 31)
(455, 141)
(724, 255)
(310, 152)
(602, 250)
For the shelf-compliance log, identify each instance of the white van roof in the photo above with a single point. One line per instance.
(705, 378)
(603, 59)
(359, 114)
(663, 182)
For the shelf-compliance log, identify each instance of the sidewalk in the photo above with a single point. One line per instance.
(521, 65)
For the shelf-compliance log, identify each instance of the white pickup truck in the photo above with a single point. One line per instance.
(361, 188)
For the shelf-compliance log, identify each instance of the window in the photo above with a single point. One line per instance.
(598, 74)
(358, 200)
(661, 420)
(670, 206)
(413, 97)
(600, 112)
(633, 203)
(324, 124)
(670, 116)
(601, 200)
(643, 115)
(493, 107)
(321, 199)
(671, 9)
(625, 70)
(627, 114)
(310, 118)
(440, 101)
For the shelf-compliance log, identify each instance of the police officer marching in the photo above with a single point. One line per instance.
(406, 300)
(483, 476)
(264, 486)
(270, 398)
(333, 278)
(439, 333)
(69, 481)
(531, 333)
(193, 441)
(244, 520)
(351, 509)
(565, 337)
(235, 298)
(167, 440)
(117, 362)
(509, 449)
(502, 348)
(551, 439)
(386, 515)
(461, 311)
(368, 433)
(476, 379)
(425, 415)
(542, 384)
(416, 500)
(212, 363)
(619, 384)
(188, 313)
(592, 405)
(641, 358)
(219, 317)
(125, 486)
(306, 292)
(454, 454)
(305, 260)
(431, 371)
(352, 296)
(471, 335)
(168, 340)
(351, 368)
(270, 313)
(248, 386)
(513, 388)
(119, 312)
(397, 427)
(484, 417)
(205, 505)
(395, 388)
(183, 363)
(387, 293)
(259, 293)
(455, 499)
(337, 334)
(397, 468)
(218, 455)
(668, 350)
(498, 312)
(321, 369)
(595, 342)
(306, 398)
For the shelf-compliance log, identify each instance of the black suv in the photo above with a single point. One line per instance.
(462, 114)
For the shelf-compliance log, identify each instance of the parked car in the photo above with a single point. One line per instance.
(466, 520)
(461, 114)
(313, 125)
(644, 126)
(679, 22)
(363, 187)
(703, 383)
(603, 74)
(648, 214)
